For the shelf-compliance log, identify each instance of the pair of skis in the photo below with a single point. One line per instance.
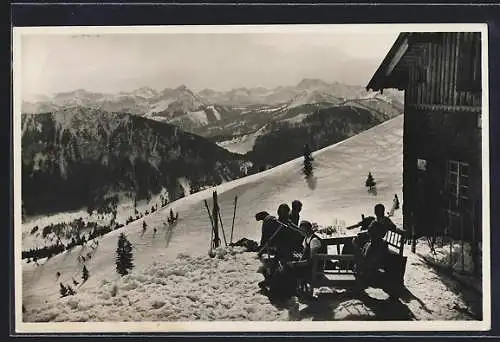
(214, 243)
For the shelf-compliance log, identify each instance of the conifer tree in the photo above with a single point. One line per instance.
(85, 273)
(307, 161)
(172, 217)
(63, 290)
(71, 292)
(124, 255)
(370, 183)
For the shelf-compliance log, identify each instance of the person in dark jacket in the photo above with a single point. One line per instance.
(295, 214)
(270, 223)
(281, 275)
(370, 254)
(284, 213)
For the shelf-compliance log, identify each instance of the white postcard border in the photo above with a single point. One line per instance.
(248, 326)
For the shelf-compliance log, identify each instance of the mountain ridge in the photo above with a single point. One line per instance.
(73, 157)
(245, 95)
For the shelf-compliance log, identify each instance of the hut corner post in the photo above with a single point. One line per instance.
(474, 245)
(414, 245)
(215, 215)
(413, 235)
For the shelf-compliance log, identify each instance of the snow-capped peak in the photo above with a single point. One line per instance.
(311, 83)
(145, 92)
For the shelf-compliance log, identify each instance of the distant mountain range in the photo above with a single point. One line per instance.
(207, 112)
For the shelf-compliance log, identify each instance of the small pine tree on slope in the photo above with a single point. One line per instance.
(370, 183)
(71, 292)
(124, 255)
(307, 161)
(85, 273)
(63, 290)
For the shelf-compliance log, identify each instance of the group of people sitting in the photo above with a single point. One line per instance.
(293, 245)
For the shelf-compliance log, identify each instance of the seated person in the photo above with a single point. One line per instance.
(270, 223)
(295, 214)
(285, 246)
(266, 219)
(370, 249)
(279, 234)
(311, 245)
(361, 238)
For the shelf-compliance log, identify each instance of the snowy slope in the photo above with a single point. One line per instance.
(175, 280)
(338, 193)
(125, 209)
(242, 144)
(158, 107)
(215, 112)
(199, 117)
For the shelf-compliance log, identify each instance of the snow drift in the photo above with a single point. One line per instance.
(188, 288)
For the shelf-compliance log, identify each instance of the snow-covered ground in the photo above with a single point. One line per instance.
(174, 279)
(188, 288)
(159, 107)
(191, 288)
(297, 118)
(449, 257)
(242, 144)
(199, 117)
(215, 112)
(125, 209)
(444, 258)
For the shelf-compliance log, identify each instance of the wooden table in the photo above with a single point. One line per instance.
(342, 272)
(338, 240)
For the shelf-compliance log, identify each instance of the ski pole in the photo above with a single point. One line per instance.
(210, 216)
(234, 215)
(211, 242)
(222, 227)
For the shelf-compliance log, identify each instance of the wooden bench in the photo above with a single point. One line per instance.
(390, 277)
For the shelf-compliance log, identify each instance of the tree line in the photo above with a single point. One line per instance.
(58, 247)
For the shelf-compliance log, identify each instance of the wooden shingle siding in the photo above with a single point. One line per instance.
(448, 62)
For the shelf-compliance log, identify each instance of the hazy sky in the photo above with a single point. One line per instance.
(112, 62)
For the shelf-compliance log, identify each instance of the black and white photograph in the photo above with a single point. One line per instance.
(237, 178)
